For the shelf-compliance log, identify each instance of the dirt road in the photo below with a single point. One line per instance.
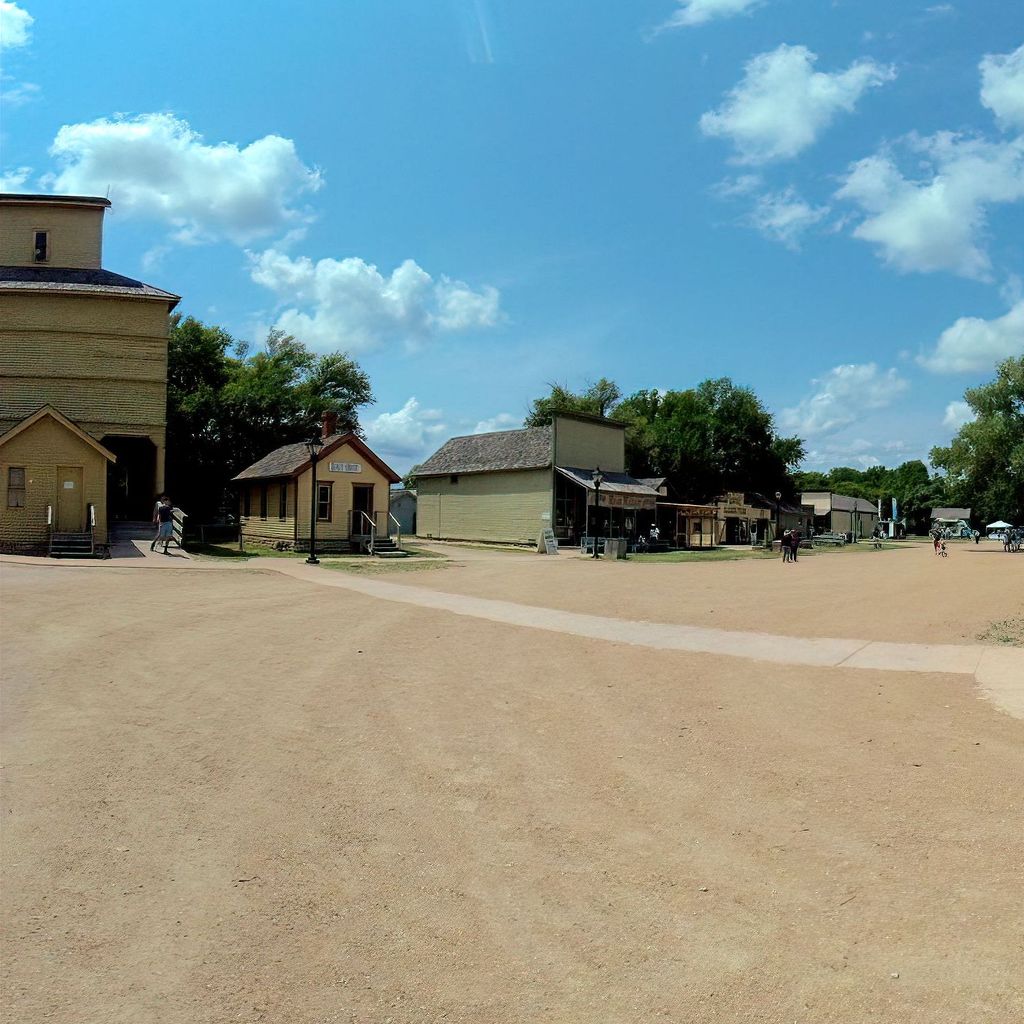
(234, 796)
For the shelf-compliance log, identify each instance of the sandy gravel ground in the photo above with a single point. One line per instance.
(234, 796)
(904, 595)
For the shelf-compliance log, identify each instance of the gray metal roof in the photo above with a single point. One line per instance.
(528, 448)
(80, 281)
(612, 483)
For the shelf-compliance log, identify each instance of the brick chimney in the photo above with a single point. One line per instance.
(330, 424)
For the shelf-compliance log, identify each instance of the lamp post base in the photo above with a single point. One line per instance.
(312, 560)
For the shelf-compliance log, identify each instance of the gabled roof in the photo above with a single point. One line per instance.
(80, 281)
(293, 459)
(528, 448)
(951, 513)
(58, 417)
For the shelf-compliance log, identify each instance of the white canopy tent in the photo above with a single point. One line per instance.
(999, 525)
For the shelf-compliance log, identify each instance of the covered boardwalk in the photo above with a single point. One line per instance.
(623, 499)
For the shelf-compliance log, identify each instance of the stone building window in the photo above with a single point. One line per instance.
(16, 487)
(41, 246)
(263, 501)
(282, 502)
(247, 501)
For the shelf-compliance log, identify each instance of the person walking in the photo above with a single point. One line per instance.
(794, 543)
(787, 551)
(165, 524)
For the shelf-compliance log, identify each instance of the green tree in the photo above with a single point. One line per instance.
(227, 408)
(597, 400)
(984, 464)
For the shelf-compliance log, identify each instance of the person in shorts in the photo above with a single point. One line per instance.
(164, 524)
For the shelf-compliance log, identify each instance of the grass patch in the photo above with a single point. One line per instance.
(1009, 632)
(711, 555)
(230, 550)
(385, 566)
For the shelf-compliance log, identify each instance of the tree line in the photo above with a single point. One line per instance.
(228, 406)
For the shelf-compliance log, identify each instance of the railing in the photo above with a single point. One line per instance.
(398, 530)
(49, 530)
(364, 520)
(178, 528)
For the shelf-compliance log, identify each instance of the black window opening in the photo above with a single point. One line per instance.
(246, 501)
(263, 501)
(454, 478)
(282, 502)
(41, 246)
(324, 502)
(16, 487)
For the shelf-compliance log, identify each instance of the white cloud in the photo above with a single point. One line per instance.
(503, 421)
(156, 166)
(782, 104)
(699, 12)
(733, 188)
(934, 223)
(15, 25)
(1002, 86)
(975, 344)
(18, 93)
(843, 396)
(349, 304)
(14, 180)
(784, 217)
(409, 433)
(957, 414)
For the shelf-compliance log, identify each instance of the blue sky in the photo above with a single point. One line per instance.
(821, 200)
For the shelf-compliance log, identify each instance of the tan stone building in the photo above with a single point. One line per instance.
(83, 376)
(509, 485)
(353, 486)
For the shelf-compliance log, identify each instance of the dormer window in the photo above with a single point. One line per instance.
(41, 247)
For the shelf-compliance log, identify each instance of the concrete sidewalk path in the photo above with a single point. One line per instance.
(999, 672)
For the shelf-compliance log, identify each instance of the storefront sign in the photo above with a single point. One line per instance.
(346, 467)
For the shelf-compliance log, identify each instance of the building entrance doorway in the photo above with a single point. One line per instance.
(362, 501)
(131, 481)
(70, 500)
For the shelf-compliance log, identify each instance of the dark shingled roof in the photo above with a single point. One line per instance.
(529, 448)
(77, 280)
(284, 461)
(290, 459)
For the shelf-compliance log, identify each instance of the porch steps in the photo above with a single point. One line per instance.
(72, 545)
(385, 547)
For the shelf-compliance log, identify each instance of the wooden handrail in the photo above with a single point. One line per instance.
(398, 527)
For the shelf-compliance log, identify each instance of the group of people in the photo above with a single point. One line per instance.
(1013, 538)
(790, 545)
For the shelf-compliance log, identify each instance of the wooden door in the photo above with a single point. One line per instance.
(362, 501)
(70, 500)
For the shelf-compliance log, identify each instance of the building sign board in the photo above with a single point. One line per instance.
(550, 545)
(346, 467)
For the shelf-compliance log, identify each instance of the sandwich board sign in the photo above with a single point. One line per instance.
(547, 545)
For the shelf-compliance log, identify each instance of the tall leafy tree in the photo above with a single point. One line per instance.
(984, 464)
(228, 407)
(599, 399)
(706, 440)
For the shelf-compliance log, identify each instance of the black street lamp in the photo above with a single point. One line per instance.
(314, 444)
(778, 498)
(598, 480)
